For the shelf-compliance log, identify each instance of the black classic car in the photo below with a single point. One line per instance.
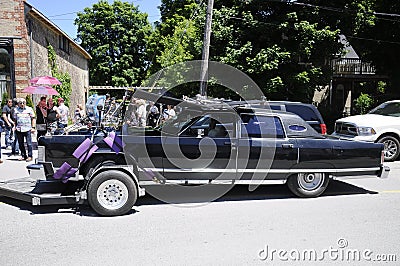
(207, 143)
(210, 143)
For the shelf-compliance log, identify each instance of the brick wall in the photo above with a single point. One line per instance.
(13, 22)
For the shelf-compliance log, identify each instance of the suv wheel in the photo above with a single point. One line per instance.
(392, 148)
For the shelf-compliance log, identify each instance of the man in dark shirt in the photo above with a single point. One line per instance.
(8, 122)
(15, 145)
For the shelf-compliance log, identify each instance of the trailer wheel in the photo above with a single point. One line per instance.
(308, 185)
(112, 193)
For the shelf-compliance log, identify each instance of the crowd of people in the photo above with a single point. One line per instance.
(20, 121)
(141, 113)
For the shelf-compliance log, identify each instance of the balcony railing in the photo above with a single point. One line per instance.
(350, 66)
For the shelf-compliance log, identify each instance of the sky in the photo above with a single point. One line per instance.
(63, 13)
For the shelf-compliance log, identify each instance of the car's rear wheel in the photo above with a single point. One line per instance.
(391, 148)
(308, 185)
(96, 163)
(112, 193)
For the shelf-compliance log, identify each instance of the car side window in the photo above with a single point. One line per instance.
(256, 126)
(214, 126)
(304, 112)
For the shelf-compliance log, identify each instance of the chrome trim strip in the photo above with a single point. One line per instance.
(272, 171)
(260, 182)
(215, 182)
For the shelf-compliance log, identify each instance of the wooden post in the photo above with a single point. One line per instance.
(206, 49)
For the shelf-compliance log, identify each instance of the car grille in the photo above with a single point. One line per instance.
(346, 129)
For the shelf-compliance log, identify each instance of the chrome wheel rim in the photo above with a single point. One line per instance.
(310, 181)
(390, 148)
(112, 194)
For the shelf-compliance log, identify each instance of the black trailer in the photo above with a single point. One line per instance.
(111, 191)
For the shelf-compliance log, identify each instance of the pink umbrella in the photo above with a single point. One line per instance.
(45, 80)
(43, 90)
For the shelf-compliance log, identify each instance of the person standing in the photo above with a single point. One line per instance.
(15, 145)
(52, 116)
(79, 113)
(169, 112)
(107, 103)
(153, 116)
(41, 116)
(25, 126)
(8, 123)
(141, 112)
(64, 113)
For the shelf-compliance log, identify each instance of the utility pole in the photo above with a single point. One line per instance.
(206, 49)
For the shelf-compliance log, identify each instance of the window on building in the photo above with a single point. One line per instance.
(5, 70)
(64, 44)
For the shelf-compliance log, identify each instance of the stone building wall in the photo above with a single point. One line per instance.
(74, 63)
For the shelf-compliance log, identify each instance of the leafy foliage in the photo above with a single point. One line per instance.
(284, 46)
(363, 103)
(65, 88)
(29, 101)
(283, 53)
(4, 99)
(115, 35)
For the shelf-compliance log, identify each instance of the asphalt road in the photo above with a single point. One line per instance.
(355, 222)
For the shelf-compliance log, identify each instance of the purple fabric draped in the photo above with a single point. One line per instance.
(65, 172)
(115, 142)
(85, 150)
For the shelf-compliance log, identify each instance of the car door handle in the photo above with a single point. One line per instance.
(287, 146)
(229, 143)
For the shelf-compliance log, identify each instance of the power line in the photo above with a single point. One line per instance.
(368, 39)
(341, 10)
(60, 15)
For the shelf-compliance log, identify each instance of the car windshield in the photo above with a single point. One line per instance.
(177, 123)
(389, 109)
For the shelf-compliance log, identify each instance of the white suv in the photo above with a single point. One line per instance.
(381, 124)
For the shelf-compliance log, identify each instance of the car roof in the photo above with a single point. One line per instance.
(393, 101)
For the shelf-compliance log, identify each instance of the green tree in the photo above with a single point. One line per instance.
(115, 36)
(177, 37)
(371, 26)
(4, 99)
(363, 103)
(380, 43)
(29, 101)
(270, 41)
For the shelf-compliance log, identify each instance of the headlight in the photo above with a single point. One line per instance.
(365, 131)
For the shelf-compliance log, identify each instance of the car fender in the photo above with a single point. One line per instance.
(312, 167)
(387, 131)
(128, 169)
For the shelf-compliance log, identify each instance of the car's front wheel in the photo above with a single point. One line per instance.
(391, 148)
(308, 185)
(112, 193)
